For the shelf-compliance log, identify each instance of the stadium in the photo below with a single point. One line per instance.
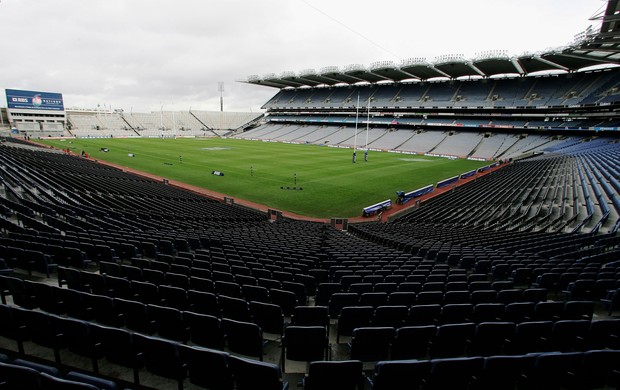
(124, 265)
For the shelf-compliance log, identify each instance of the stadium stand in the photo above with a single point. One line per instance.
(511, 280)
(549, 90)
(459, 254)
(157, 124)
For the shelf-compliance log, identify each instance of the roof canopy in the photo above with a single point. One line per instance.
(589, 49)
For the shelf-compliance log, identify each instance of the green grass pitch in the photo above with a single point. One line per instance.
(332, 186)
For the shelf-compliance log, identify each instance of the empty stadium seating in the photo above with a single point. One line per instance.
(517, 263)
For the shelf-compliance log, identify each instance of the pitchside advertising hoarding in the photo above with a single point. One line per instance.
(34, 100)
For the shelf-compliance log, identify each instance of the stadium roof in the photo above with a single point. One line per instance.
(589, 49)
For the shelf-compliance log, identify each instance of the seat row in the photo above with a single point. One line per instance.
(591, 288)
(528, 271)
(557, 277)
(370, 344)
(27, 374)
(284, 270)
(370, 273)
(216, 281)
(338, 300)
(538, 371)
(399, 310)
(167, 323)
(207, 368)
(585, 282)
(166, 306)
(28, 260)
(123, 247)
(429, 283)
(377, 343)
(227, 261)
(242, 324)
(157, 283)
(352, 317)
(303, 343)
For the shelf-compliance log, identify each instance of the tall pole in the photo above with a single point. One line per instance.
(174, 124)
(357, 114)
(367, 127)
(161, 118)
(367, 122)
(220, 88)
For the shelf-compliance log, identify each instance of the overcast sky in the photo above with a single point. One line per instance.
(141, 55)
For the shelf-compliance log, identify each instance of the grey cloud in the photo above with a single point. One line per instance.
(141, 54)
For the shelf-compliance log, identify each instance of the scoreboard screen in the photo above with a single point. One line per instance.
(34, 100)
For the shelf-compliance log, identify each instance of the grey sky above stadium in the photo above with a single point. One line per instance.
(145, 55)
